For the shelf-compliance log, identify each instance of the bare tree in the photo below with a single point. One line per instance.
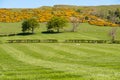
(112, 33)
(75, 23)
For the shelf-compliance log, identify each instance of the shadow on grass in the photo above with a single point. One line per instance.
(48, 32)
(24, 34)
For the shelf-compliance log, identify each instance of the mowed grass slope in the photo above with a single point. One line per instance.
(59, 61)
(85, 31)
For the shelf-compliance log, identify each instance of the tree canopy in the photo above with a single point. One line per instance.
(56, 23)
(29, 25)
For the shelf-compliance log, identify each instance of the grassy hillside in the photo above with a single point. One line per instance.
(85, 31)
(59, 61)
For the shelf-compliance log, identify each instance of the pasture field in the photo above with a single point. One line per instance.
(85, 31)
(59, 61)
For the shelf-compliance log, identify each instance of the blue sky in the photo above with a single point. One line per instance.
(38, 3)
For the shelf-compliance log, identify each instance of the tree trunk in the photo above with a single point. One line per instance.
(74, 28)
(32, 30)
(113, 39)
(58, 30)
(75, 25)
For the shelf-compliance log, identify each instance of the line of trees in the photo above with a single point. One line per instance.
(114, 16)
(110, 15)
(55, 24)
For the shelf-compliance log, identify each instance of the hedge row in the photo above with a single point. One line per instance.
(65, 41)
(33, 41)
(4, 35)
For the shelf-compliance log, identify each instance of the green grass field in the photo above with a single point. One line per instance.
(59, 61)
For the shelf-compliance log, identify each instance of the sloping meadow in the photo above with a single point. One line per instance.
(59, 61)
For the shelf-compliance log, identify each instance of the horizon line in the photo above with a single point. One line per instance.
(64, 5)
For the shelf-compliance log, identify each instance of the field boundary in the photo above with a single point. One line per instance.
(64, 41)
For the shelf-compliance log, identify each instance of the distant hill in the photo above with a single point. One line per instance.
(97, 8)
(101, 7)
(110, 13)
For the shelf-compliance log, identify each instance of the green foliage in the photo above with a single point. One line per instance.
(25, 26)
(86, 18)
(78, 10)
(109, 13)
(56, 23)
(117, 12)
(114, 16)
(29, 25)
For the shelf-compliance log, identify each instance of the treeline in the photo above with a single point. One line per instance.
(114, 16)
(109, 15)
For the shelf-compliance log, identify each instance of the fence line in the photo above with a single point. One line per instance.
(64, 41)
